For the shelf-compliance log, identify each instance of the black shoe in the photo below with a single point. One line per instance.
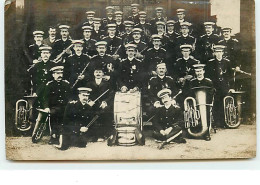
(181, 140)
(207, 138)
(53, 141)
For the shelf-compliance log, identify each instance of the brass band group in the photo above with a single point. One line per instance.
(118, 74)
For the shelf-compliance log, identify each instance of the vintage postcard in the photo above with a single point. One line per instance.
(130, 79)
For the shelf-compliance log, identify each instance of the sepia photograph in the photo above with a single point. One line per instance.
(136, 80)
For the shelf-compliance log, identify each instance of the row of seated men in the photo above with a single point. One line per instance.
(54, 95)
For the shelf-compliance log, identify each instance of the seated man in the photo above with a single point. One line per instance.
(167, 120)
(77, 118)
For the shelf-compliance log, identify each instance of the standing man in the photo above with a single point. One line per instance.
(62, 44)
(34, 52)
(183, 68)
(97, 33)
(181, 19)
(89, 43)
(120, 27)
(56, 96)
(135, 14)
(90, 18)
(206, 42)
(145, 26)
(140, 46)
(201, 81)
(131, 71)
(75, 67)
(78, 114)
(52, 37)
(109, 18)
(220, 72)
(114, 43)
(171, 43)
(160, 26)
(159, 17)
(127, 37)
(168, 120)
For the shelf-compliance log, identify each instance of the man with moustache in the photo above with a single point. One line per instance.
(181, 18)
(62, 44)
(52, 37)
(33, 51)
(135, 14)
(159, 17)
(140, 45)
(145, 26)
(97, 33)
(56, 97)
(120, 27)
(109, 19)
(89, 43)
(90, 18)
(128, 37)
(167, 121)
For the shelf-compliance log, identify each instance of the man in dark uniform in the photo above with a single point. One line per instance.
(167, 121)
(33, 51)
(78, 114)
(102, 96)
(135, 14)
(120, 27)
(52, 37)
(204, 46)
(184, 38)
(232, 48)
(90, 18)
(200, 81)
(140, 45)
(219, 71)
(97, 33)
(154, 56)
(181, 19)
(114, 43)
(89, 44)
(170, 46)
(62, 44)
(40, 74)
(145, 26)
(159, 82)
(56, 97)
(109, 18)
(160, 27)
(105, 61)
(76, 67)
(183, 68)
(131, 71)
(159, 17)
(127, 37)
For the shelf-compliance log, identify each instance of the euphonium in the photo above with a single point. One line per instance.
(232, 109)
(23, 113)
(196, 115)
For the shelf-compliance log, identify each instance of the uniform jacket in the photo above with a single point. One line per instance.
(34, 52)
(154, 57)
(113, 44)
(48, 42)
(59, 46)
(89, 47)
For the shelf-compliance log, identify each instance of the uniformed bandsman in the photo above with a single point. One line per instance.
(109, 19)
(97, 33)
(78, 114)
(145, 26)
(62, 44)
(130, 71)
(181, 18)
(52, 37)
(140, 45)
(154, 55)
(160, 27)
(40, 74)
(90, 18)
(114, 43)
(159, 17)
(104, 60)
(159, 82)
(201, 81)
(204, 45)
(219, 71)
(89, 43)
(33, 52)
(120, 27)
(135, 14)
(183, 68)
(171, 43)
(127, 37)
(75, 66)
(168, 120)
(185, 38)
(56, 97)
(232, 48)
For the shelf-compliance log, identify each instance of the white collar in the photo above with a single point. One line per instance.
(98, 81)
(131, 59)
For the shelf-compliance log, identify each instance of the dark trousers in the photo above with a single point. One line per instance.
(73, 139)
(56, 120)
(175, 134)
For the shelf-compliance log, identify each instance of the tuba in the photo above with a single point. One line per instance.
(197, 113)
(24, 113)
(232, 109)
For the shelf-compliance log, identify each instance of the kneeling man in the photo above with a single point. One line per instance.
(167, 120)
